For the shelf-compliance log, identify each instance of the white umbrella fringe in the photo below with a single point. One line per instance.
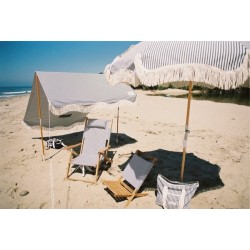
(122, 75)
(202, 74)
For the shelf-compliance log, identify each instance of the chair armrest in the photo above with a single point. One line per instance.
(73, 146)
(102, 151)
(154, 160)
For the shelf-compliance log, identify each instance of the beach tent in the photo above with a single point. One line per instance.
(223, 64)
(61, 100)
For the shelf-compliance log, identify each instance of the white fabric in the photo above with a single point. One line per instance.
(66, 98)
(184, 143)
(174, 194)
(97, 123)
(137, 171)
(223, 64)
(95, 138)
(165, 200)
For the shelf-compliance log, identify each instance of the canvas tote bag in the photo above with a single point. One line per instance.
(174, 194)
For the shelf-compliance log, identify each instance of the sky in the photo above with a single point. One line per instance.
(20, 59)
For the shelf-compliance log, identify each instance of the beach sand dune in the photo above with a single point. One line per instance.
(218, 153)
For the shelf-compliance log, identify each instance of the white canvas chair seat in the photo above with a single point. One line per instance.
(86, 159)
(95, 139)
(174, 194)
(95, 145)
(134, 174)
(136, 171)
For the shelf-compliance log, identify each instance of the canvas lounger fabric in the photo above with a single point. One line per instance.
(134, 174)
(173, 194)
(95, 144)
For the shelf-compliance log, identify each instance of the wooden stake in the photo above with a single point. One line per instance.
(117, 125)
(186, 131)
(40, 113)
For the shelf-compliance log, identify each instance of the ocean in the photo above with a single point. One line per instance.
(6, 92)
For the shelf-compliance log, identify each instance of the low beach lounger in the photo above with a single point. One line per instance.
(94, 148)
(133, 176)
(174, 194)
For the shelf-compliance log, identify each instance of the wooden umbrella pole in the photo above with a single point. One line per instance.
(117, 124)
(40, 113)
(186, 131)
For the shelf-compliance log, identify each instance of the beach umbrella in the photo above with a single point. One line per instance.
(220, 64)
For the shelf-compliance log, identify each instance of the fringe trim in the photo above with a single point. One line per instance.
(87, 109)
(83, 109)
(123, 75)
(69, 108)
(37, 127)
(195, 72)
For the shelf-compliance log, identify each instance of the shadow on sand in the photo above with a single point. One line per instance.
(123, 140)
(169, 165)
(74, 138)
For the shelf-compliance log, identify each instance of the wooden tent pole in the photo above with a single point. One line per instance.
(186, 131)
(117, 124)
(40, 113)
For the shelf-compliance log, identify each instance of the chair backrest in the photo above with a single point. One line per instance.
(96, 135)
(137, 171)
(174, 194)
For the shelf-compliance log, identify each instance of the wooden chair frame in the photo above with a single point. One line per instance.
(120, 189)
(101, 153)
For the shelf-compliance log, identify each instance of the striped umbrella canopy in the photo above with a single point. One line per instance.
(221, 64)
(213, 64)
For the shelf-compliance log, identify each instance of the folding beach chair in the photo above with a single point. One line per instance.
(174, 194)
(94, 149)
(133, 176)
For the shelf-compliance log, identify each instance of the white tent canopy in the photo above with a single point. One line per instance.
(64, 99)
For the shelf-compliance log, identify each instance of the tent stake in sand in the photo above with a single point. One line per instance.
(40, 113)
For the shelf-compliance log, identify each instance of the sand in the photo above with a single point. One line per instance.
(219, 139)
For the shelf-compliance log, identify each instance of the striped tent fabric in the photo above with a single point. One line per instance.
(222, 64)
(173, 194)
